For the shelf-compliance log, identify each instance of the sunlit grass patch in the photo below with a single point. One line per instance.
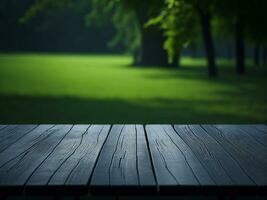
(107, 89)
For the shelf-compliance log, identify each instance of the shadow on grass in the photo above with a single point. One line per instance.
(256, 77)
(30, 109)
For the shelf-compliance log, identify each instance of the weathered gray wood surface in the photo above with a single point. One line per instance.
(133, 158)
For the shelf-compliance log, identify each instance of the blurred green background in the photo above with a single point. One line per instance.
(106, 89)
(63, 63)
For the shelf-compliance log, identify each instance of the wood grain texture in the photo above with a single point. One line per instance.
(10, 136)
(68, 146)
(124, 160)
(223, 169)
(16, 170)
(256, 133)
(260, 127)
(127, 159)
(17, 150)
(2, 126)
(77, 168)
(172, 155)
(249, 153)
(173, 160)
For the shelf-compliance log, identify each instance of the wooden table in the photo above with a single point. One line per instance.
(133, 159)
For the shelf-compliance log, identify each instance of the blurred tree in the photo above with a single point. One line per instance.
(151, 38)
(180, 21)
(180, 26)
(154, 31)
(237, 10)
(123, 19)
(246, 18)
(243, 19)
(256, 28)
(205, 9)
(58, 29)
(128, 16)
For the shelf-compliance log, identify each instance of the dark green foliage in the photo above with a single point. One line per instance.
(181, 21)
(57, 29)
(155, 32)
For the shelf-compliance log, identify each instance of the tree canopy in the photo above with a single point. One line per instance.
(156, 32)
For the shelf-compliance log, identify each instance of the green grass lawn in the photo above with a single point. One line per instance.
(106, 89)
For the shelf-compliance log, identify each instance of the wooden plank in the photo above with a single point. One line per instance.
(124, 160)
(257, 134)
(10, 137)
(62, 153)
(243, 149)
(144, 163)
(18, 149)
(18, 171)
(171, 165)
(77, 168)
(5, 132)
(177, 159)
(2, 126)
(246, 140)
(72, 165)
(261, 127)
(173, 159)
(221, 166)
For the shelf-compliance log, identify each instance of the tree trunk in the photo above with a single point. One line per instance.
(257, 55)
(208, 42)
(152, 52)
(176, 60)
(136, 57)
(240, 48)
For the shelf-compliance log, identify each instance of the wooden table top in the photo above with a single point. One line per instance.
(157, 159)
